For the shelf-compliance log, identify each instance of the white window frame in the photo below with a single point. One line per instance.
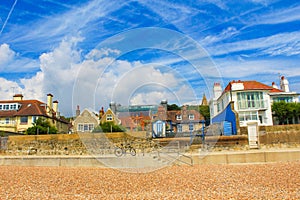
(191, 116)
(178, 117)
(85, 127)
(109, 117)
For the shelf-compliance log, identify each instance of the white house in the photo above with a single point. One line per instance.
(247, 101)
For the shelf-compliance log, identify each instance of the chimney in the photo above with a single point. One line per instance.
(77, 111)
(49, 103)
(274, 85)
(217, 90)
(164, 103)
(18, 97)
(101, 113)
(284, 84)
(55, 108)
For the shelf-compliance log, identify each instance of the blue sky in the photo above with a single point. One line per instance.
(90, 53)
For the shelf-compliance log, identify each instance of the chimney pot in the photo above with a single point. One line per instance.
(18, 97)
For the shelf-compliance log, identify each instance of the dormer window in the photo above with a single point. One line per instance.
(109, 117)
(178, 117)
(191, 117)
(10, 106)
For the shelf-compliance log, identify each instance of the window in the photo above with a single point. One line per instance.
(24, 120)
(178, 117)
(86, 127)
(80, 127)
(191, 117)
(109, 117)
(218, 107)
(13, 107)
(7, 120)
(91, 127)
(191, 127)
(248, 116)
(250, 100)
(285, 99)
(34, 118)
(6, 107)
(179, 128)
(10, 106)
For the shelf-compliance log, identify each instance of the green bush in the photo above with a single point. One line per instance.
(108, 127)
(41, 126)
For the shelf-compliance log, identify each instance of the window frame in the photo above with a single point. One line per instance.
(191, 117)
(178, 117)
(109, 117)
(24, 120)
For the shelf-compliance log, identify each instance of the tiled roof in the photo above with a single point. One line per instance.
(28, 108)
(252, 85)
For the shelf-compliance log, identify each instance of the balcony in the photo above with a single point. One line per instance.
(252, 105)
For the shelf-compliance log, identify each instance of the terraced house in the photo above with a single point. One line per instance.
(17, 115)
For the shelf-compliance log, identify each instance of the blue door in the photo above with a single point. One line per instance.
(227, 127)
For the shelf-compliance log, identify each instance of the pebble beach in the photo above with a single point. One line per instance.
(242, 181)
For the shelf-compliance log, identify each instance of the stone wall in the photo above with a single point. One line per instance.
(72, 144)
(280, 134)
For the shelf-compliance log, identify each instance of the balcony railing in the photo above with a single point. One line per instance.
(252, 104)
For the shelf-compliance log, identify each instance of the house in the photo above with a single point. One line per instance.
(157, 119)
(135, 121)
(284, 94)
(18, 115)
(109, 116)
(242, 102)
(134, 117)
(182, 122)
(85, 121)
(186, 120)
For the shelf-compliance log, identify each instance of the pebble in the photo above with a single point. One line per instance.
(256, 181)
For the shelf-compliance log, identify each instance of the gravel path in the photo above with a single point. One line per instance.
(259, 181)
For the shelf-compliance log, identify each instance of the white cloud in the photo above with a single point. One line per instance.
(33, 87)
(240, 68)
(55, 27)
(8, 88)
(11, 62)
(280, 44)
(282, 15)
(225, 34)
(6, 54)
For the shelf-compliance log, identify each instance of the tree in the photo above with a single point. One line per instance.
(204, 111)
(107, 127)
(279, 110)
(41, 126)
(173, 107)
(286, 113)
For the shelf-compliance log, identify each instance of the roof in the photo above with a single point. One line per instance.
(252, 85)
(28, 108)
